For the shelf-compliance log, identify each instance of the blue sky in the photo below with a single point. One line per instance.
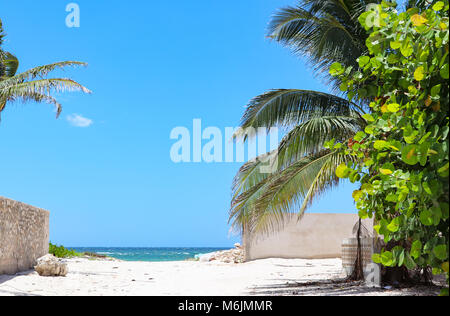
(153, 66)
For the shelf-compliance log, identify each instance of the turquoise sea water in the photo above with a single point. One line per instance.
(149, 254)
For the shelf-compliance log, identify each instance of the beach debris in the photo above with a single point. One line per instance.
(49, 265)
(235, 255)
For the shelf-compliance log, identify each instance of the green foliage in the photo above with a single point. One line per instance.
(403, 160)
(61, 252)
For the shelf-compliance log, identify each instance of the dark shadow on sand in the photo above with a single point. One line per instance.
(337, 287)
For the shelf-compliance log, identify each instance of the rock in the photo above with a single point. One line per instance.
(237, 245)
(206, 257)
(228, 256)
(49, 265)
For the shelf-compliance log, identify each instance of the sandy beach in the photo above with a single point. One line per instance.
(190, 278)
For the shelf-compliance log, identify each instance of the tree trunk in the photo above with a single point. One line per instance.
(358, 271)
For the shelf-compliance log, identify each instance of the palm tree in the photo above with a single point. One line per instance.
(325, 31)
(32, 85)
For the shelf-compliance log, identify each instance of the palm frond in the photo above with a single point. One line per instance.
(2, 34)
(42, 87)
(32, 85)
(38, 72)
(323, 31)
(247, 187)
(289, 107)
(421, 4)
(33, 96)
(262, 207)
(309, 137)
(8, 65)
(299, 146)
(249, 175)
(325, 180)
(286, 190)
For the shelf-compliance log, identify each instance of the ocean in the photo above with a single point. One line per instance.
(149, 254)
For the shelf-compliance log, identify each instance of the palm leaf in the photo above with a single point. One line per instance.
(289, 107)
(325, 180)
(286, 190)
(33, 96)
(32, 85)
(36, 72)
(42, 87)
(9, 65)
(2, 35)
(323, 31)
(303, 143)
(247, 208)
(309, 137)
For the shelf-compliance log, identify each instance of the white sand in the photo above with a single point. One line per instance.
(188, 278)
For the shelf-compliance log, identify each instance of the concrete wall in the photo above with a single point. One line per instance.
(23, 235)
(315, 236)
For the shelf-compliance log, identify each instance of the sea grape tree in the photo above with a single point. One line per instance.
(403, 153)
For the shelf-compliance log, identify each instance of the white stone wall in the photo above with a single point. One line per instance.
(315, 236)
(24, 235)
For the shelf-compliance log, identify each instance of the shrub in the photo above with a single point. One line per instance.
(403, 154)
(61, 252)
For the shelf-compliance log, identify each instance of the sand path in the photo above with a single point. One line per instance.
(188, 278)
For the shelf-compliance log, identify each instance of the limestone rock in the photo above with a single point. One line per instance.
(206, 257)
(49, 265)
(228, 256)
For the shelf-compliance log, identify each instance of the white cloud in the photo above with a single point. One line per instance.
(79, 121)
